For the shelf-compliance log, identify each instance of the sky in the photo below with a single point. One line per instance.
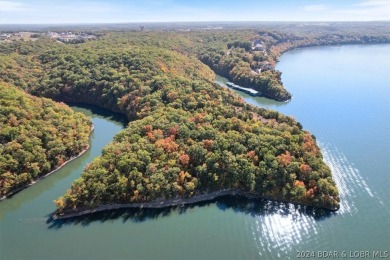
(121, 11)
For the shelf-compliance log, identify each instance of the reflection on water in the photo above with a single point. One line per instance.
(280, 232)
(277, 229)
(29, 194)
(97, 112)
(237, 203)
(327, 103)
(256, 101)
(61, 178)
(353, 134)
(347, 177)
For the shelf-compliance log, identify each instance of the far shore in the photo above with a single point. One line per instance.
(44, 176)
(164, 203)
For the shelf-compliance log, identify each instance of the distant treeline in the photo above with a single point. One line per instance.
(187, 135)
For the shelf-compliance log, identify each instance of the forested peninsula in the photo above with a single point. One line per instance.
(37, 136)
(187, 136)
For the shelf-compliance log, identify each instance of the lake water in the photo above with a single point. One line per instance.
(340, 94)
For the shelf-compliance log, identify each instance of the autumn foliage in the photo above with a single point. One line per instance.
(36, 136)
(186, 136)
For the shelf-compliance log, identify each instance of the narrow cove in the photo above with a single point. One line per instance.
(355, 143)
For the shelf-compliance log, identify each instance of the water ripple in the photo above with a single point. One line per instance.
(347, 177)
(278, 233)
(284, 230)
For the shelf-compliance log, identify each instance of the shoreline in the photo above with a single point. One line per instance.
(223, 84)
(165, 203)
(10, 194)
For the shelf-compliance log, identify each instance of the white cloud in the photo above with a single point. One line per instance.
(375, 3)
(369, 10)
(364, 10)
(8, 6)
(98, 11)
(315, 8)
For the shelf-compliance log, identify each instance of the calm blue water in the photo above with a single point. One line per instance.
(341, 94)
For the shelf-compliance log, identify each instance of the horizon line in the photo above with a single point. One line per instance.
(165, 22)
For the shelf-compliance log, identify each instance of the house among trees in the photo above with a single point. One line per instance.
(4, 36)
(70, 37)
(265, 66)
(259, 47)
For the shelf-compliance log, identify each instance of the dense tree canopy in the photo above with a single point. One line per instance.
(36, 136)
(172, 152)
(187, 135)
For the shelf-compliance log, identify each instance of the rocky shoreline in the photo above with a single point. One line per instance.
(164, 203)
(51, 172)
